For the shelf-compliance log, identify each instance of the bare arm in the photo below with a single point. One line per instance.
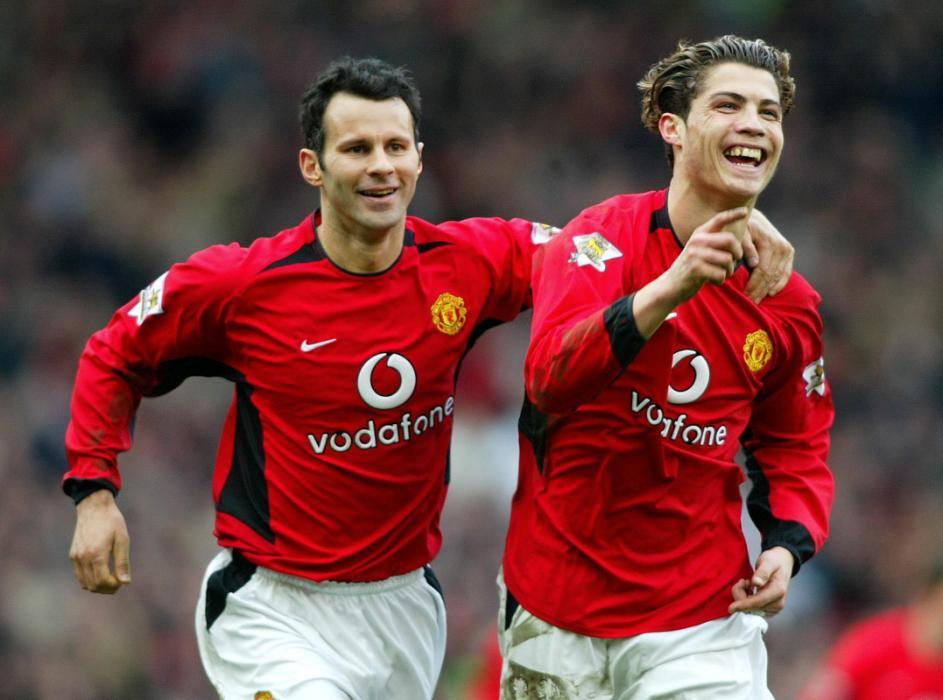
(100, 545)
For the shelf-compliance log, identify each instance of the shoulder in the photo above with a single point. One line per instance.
(874, 636)
(488, 236)
(793, 316)
(463, 230)
(796, 305)
(449, 232)
(261, 254)
(797, 292)
(226, 269)
(624, 220)
(879, 625)
(289, 244)
(624, 207)
(614, 228)
(451, 238)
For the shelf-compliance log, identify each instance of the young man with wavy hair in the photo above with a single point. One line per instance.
(626, 572)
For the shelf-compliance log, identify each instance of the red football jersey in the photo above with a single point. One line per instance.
(627, 514)
(874, 661)
(333, 461)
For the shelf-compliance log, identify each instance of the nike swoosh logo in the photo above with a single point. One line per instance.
(308, 347)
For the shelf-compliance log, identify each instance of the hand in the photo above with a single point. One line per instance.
(769, 256)
(710, 255)
(765, 593)
(100, 536)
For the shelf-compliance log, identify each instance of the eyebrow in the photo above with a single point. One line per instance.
(737, 97)
(359, 138)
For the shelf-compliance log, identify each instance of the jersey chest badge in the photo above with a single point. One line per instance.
(448, 313)
(757, 350)
(593, 249)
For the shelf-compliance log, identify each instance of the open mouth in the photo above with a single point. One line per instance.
(379, 192)
(745, 155)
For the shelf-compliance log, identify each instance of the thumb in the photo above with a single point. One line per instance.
(750, 255)
(122, 557)
(764, 570)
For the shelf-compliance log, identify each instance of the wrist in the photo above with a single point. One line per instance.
(102, 498)
(787, 557)
(653, 302)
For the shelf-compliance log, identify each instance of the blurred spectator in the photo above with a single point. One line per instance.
(894, 655)
(134, 133)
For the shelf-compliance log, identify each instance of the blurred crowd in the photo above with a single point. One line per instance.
(134, 133)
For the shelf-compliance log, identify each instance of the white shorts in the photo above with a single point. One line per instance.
(268, 635)
(717, 660)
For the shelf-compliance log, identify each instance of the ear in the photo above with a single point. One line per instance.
(310, 167)
(419, 147)
(672, 128)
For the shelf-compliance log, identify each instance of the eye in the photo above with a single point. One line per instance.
(727, 106)
(397, 146)
(772, 114)
(358, 148)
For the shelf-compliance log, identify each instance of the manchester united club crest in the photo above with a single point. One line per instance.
(593, 249)
(448, 313)
(757, 350)
(264, 695)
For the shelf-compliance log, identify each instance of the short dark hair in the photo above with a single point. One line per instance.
(365, 77)
(672, 84)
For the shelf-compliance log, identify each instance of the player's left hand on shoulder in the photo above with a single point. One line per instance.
(769, 256)
(765, 593)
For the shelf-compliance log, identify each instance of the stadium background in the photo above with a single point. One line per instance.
(132, 134)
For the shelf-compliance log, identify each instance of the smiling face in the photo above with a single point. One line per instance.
(369, 167)
(728, 147)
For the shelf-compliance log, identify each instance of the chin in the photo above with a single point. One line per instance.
(744, 191)
(382, 221)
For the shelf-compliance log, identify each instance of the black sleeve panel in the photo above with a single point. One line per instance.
(624, 335)
(80, 489)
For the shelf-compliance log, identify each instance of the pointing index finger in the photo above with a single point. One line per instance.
(719, 220)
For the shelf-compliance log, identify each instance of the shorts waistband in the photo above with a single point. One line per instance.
(345, 587)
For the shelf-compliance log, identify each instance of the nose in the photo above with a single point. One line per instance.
(380, 163)
(749, 121)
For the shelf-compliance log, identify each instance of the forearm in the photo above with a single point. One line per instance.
(653, 303)
(569, 367)
(104, 402)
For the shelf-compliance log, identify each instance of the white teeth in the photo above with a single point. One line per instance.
(744, 152)
(378, 193)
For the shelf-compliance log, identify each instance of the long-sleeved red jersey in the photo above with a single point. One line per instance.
(627, 514)
(333, 460)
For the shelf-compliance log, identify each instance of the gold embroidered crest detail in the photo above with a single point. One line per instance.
(448, 313)
(757, 350)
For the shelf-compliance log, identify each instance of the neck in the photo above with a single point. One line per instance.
(688, 208)
(358, 249)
